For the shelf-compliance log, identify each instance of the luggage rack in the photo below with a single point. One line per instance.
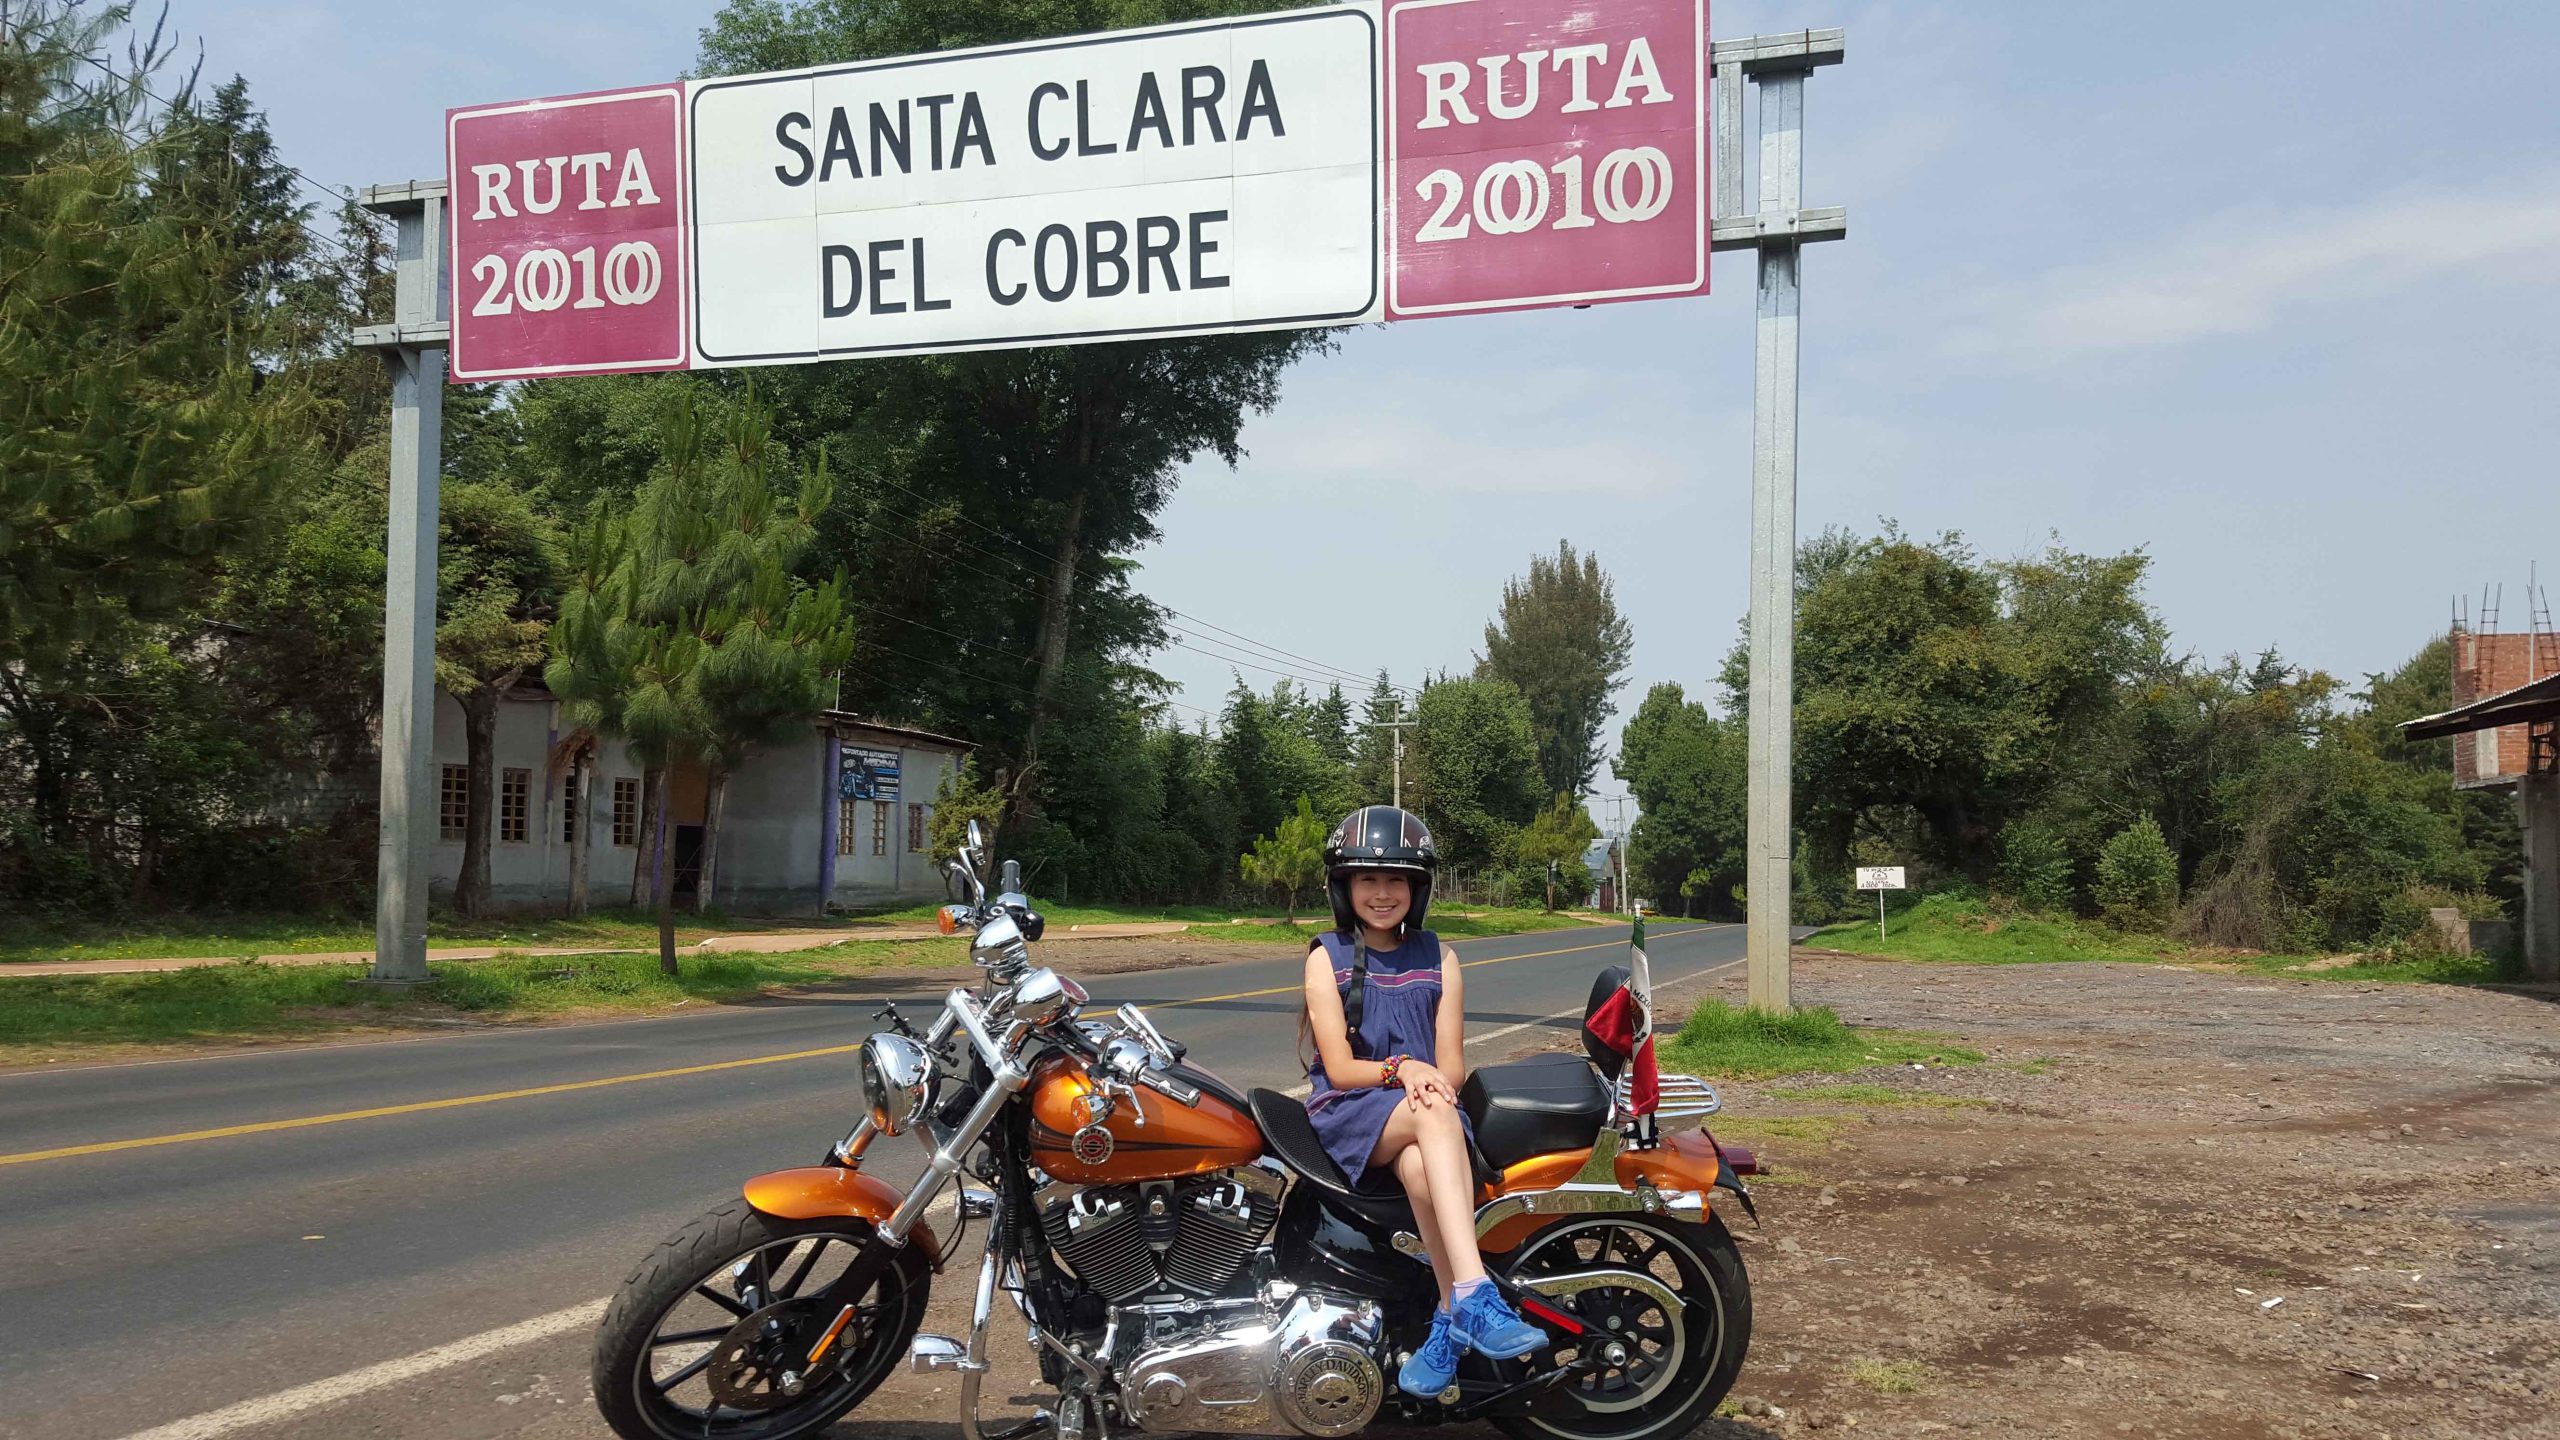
(1680, 1097)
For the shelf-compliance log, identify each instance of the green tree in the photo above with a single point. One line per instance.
(138, 448)
(1329, 726)
(2036, 869)
(497, 564)
(1290, 858)
(2137, 886)
(1560, 641)
(1687, 771)
(1938, 697)
(1555, 842)
(1473, 768)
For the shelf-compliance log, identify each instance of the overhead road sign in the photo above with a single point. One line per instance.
(1387, 159)
(1542, 154)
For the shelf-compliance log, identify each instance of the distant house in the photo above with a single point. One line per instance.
(1601, 859)
(833, 818)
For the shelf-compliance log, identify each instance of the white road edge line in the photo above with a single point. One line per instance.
(286, 1404)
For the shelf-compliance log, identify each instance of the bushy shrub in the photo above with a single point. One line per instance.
(2137, 887)
(2035, 870)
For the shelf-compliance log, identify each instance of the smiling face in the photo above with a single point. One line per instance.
(1380, 898)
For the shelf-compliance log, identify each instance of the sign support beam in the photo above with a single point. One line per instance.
(1776, 230)
(414, 345)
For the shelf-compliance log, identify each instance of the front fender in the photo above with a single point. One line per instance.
(821, 1192)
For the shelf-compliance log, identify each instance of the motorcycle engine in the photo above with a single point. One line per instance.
(1170, 1237)
(1288, 1361)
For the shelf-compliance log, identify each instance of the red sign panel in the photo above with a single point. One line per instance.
(568, 240)
(1544, 154)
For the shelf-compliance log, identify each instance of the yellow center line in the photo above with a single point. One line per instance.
(262, 1127)
(299, 1122)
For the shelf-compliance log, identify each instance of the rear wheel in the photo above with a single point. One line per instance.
(1668, 1365)
(709, 1339)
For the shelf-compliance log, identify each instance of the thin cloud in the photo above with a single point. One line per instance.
(2243, 272)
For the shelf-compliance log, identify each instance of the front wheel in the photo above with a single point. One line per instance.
(1674, 1363)
(709, 1339)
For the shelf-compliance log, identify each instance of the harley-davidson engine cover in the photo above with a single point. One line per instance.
(1313, 1371)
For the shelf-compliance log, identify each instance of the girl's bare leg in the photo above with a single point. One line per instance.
(1436, 1135)
(1417, 1185)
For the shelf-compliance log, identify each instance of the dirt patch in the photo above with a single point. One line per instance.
(2191, 1205)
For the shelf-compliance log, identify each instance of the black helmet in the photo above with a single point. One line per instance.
(1379, 837)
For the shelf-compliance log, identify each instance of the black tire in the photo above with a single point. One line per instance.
(1713, 1330)
(694, 1268)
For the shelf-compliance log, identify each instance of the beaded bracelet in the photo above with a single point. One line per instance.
(1390, 1079)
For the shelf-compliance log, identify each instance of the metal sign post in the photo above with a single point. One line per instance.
(414, 344)
(1776, 230)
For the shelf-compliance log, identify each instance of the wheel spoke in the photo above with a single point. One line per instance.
(723, 1301)
(764, 1275)
(800, 1272)
(694, 1367)
(688, 1337)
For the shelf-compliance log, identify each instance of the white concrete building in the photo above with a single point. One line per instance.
(837, 818)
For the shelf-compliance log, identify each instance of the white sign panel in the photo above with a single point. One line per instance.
(1186, 179)
(1880, 877)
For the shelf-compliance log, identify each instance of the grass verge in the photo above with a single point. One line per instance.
(1719, 1039)
(1881, 1096)
(239, 936)
(245, 1000)
(1963, 930)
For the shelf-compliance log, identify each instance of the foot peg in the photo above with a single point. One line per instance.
(930, 1354)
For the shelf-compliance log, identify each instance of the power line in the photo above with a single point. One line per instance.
(1251, 645)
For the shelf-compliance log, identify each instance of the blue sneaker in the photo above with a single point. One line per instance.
(1485, 1323)
(1434, 1367)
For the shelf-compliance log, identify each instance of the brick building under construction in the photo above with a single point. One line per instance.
(2505, 728)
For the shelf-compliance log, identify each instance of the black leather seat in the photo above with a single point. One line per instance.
(1534, 1107)
(1290, 1135)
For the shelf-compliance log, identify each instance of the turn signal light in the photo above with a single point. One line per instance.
(949, 919)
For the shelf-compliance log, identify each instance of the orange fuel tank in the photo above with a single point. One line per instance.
(1151, 1137)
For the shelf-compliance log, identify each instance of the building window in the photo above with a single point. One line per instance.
(626, 811)
(848, 815)
(569, 808)
(879, 827)
(915, 829)
(453, 803)
(515, 805)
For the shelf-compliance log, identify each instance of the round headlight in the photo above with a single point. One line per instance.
(897, 1080)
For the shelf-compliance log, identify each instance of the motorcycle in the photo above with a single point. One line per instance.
(1186, 1258)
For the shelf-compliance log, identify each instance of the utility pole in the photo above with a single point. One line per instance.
(414, 344)
(1398, 726)
(1618, 836)
(1776, 230)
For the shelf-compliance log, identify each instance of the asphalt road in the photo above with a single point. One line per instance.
(389, 1239)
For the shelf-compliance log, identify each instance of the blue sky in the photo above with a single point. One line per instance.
(2267, 290)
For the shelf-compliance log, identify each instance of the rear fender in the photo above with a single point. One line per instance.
(823, 1192)
(1688, 1160)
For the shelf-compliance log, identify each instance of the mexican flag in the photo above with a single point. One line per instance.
(1646, 1091)
(1624, 1023)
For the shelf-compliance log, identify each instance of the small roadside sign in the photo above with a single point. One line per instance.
(1880, 878)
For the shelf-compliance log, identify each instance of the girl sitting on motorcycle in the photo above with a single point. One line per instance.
(1385, 1008)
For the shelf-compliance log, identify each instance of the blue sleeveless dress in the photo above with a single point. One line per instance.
(1399, 1017)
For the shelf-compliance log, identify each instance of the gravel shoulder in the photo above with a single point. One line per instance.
(2170, 1203)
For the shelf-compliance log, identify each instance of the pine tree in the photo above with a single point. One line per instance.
(1373, 753)
(1329, 725)
(136, 448)
(1560, 640)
